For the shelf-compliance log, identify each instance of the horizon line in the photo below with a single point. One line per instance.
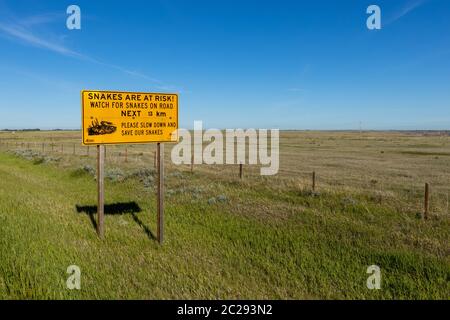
(292, 129)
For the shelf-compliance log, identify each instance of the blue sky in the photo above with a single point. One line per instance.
(261, 64)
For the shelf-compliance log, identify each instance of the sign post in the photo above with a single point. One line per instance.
(117, 117)
(100, 190)
(160, 220)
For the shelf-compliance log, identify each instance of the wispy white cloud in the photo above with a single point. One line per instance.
(40, 19)
(410, 6)
(20, 32)
(42, 79)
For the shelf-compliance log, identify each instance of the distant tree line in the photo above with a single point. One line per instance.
(37, 129)
(22, 130)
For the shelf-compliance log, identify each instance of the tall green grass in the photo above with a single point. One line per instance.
(259, 240)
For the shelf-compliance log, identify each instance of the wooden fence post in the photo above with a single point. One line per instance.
(126, 154)
(100, 190)
(192, 163)
(426, 201)
(314, 181)
(160, 205)
(240, 170)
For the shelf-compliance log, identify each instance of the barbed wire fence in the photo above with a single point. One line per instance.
(413, 196)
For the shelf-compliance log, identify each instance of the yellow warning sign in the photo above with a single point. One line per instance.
(111, 117)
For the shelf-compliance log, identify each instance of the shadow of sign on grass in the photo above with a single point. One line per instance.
(118, 208)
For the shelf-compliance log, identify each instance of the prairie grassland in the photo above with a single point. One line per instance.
(260, 237)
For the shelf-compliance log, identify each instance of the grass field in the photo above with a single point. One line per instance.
(260, 237)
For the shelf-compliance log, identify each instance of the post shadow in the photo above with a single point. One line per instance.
(118, 208)
(147, 230)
